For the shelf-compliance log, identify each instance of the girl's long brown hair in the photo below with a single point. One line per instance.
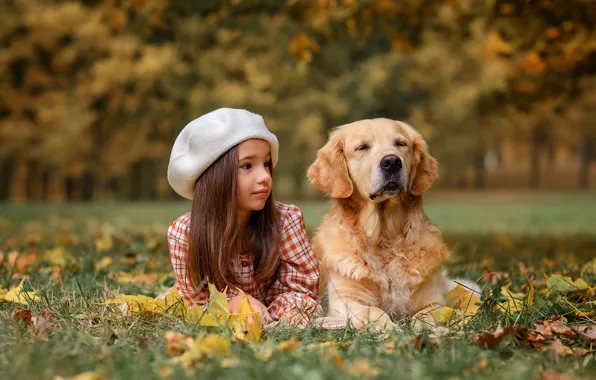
(215, 244)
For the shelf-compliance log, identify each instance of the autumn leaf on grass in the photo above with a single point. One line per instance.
(104, 264)
(91, 375)
(60, 258)
(589, 268)
(560, 349)
(515, 302)
(17, 295)
(104, 242)
(491, 340)
(215, 314)
(557, 284)
(141, 278)
(463, 299)
(210, 345)
(239, 321)
(586, 332)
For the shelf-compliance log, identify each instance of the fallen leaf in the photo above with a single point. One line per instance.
(288, 345)
(552, 375)
(362, 368)
(59, 257)
(17, 295)
(177, 343)
(463, 299)
(589, 268)
(444, 314)
(91, 375)
(239, 321)
(104, 264)
(21, 264)
(560, 349)
(23, 315)
(489, 340)
(588, 332)
(104, 242)
(559, 284)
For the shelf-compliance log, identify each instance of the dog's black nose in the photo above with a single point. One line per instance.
(391, 163)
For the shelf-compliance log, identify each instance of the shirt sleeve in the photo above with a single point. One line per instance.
(178, 243)
(296, 286)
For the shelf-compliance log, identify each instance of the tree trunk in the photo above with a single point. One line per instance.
(535, 159)
(34, 189)
(586, 157)
(6, 173)
(479, 171)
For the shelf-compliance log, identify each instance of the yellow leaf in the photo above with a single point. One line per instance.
(103, 242)
(560, 284)
(463, 299)
(444, 314)
(91, 375)
(239, 321)
(59, 257)
(104, 263)
(530, 296)
(589, 267)
(512, 305)
(505, 291)
(17, 295)
(213, 345)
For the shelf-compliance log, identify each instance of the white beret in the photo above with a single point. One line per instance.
(202, 141)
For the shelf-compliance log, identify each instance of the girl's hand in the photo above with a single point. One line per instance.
(255, 304)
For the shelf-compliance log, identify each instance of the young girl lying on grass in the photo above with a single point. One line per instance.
(236, 235)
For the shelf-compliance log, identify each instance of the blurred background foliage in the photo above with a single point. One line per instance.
(94, 92)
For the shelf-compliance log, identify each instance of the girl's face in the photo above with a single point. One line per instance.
(254, 174)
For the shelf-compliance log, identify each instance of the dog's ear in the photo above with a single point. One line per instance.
(329, 172)
(425, 169)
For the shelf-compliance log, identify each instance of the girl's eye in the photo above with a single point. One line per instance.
(245, 166)
(400, 143)
(268, 164)
(363, 147)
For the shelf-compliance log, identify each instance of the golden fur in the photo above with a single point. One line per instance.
(383, 256)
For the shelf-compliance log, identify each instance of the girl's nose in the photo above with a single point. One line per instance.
(264, 176)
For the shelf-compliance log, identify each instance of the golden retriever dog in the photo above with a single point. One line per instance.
(379, 253)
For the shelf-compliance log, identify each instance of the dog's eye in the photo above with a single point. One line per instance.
(400, 143)
(363, 147)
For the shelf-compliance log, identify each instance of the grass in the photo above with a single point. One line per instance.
(84, 334)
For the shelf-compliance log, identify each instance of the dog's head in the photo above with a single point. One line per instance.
(378, 158)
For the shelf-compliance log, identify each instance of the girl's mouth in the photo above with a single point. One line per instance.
(261, 193)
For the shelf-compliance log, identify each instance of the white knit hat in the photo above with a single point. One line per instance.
(205, 139)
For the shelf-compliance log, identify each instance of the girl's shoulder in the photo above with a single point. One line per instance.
(181, 224)
(287, 212)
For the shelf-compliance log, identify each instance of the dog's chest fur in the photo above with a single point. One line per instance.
(393, 273)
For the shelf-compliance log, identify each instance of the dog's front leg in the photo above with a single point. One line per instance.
(355, 302)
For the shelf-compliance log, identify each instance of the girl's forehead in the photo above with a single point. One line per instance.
(253, 147)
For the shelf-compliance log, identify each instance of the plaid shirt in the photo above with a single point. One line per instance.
(296, 285)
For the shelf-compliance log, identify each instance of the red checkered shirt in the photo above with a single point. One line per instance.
(296, 285)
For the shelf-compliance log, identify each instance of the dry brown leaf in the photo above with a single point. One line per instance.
(177, 343)
(362, 368)
(588, 332)
(552, 375)
(560, 349)
(23, 315)
(492, 340)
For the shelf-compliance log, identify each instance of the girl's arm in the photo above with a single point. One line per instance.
(178, 233)
(295, 291)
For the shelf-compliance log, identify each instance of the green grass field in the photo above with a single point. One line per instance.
(510, 240)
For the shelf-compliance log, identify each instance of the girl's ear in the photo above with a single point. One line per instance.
(329, 172)
(425, 169)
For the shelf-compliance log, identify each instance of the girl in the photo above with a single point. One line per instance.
(236, 235)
